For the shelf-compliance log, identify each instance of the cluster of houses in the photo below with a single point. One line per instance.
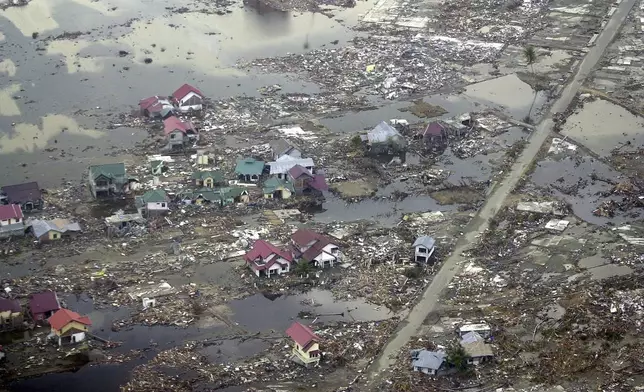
(474, 340)
(179, 134)
(18, 200)
(66, 326)
(266, 259)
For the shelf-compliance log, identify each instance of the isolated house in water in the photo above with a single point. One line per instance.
(68, 327)
(27, 195)
(43, 305)
(180, 134)
(11, 221)
(423, 249)
(106, 181)
(265, 259)
(156, 107)
(435, 135)
(188, 98)
(385, 139)
(306, 348)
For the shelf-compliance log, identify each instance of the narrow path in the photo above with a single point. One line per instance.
(411, 324)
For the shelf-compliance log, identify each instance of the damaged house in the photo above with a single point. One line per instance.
(11, 316)
(306, 183)
(265, 259)
(11, 221)
(435, 136)
(27, 195)
(428, 362)
(156, 107)
(476, 349)
(121, 223)
(275, 188)
(43, 305)
(180, 134)
(424, 247)
(315, 248)
(283, 147)
(188, 98)
(385, 139)
(53, 230)
(107, 181)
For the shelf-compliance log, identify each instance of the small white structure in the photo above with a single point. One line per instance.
(482, 329)
(149, 302)
(423, 249)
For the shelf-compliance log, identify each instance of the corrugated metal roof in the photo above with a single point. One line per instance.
(283, 166)
(41, 227)
(426, 241)
(381, 133)
(428, 359)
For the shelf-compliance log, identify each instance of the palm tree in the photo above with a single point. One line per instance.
(303, 268)
(457, 356)
(530, 56)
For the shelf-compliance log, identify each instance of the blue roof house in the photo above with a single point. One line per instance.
(428, 362)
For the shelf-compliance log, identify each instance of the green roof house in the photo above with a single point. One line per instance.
(233, 195)
(208, 179)
(153, 202)
(276, 188)
(249, 169)
(106, 181)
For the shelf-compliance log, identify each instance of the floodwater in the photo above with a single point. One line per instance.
(602, 126)
(508, 92)
(55, 84)
(569, 178)
(253, 314)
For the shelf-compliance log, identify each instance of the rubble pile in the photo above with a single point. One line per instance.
(492, 20)
(389, 66)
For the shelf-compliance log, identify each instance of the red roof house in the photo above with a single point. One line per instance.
(172, 124)
(435, 134)
(188, 98)
(43, 305)
(266, 259)
(68, 326)
(306, 349)
(10, 211)
(315, 248)
(156, 106)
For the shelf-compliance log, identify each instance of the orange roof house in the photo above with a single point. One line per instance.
(68, 326)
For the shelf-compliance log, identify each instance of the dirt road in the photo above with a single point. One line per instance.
(451, 266)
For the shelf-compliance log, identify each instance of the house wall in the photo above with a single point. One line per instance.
(10, 221)
(78, 337)
(330, 253)
(305, 355)
(176, 137)
(157, 206)
(68, 326)
(10, 320)
(426, 254)
(190, 101)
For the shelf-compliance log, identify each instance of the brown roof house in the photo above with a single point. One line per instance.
(27, 195)
(188, 98)
(12, 222)
(306, 348)
(307, 183)
(43, 305)
(11, 316)
(315, 248)
(180, 134)
(435, 136)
